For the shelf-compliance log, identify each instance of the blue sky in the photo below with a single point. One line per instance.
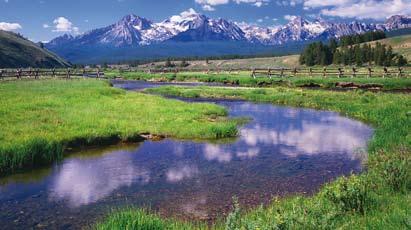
(42, 20)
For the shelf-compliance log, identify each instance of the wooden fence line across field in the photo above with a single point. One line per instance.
(294, 72)
(55, 73)
(339, 72)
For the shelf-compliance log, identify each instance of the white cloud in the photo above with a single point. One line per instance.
(360, 9)
(289, 17)
(257, 3)
(208, 8)
(62, 24)
(212, 2)
(209, 5)
(9, 26)
(46, 26)
(325, 3)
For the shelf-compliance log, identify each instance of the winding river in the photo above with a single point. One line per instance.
(281, 151)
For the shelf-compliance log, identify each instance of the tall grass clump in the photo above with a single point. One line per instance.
(39, 120)
(140, 219)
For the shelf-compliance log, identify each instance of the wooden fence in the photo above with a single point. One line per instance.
(383, 72)
(53, 73)
(353, 72)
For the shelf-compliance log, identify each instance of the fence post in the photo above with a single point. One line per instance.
(19, 73)
(295, 72)
(253, 73)
(68, 73)
(269, 73)
(340, 73)
(353, 72)
(385, 72)
(369, 72)
(325, 72)
(399, 72)
(98, 73)
(36, 74)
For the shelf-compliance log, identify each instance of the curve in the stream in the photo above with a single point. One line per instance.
(281, 151)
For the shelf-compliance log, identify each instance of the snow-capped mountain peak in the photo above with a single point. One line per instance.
(190, 26)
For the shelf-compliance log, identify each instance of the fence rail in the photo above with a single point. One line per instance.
(339, 72)
(294, 72)
(54, 73)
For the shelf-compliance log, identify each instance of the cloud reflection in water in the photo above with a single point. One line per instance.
(82, 182)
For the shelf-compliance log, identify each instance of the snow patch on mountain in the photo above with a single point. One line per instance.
(189, 25)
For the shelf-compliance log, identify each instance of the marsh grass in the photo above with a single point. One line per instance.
(143, 220)
(40, 119)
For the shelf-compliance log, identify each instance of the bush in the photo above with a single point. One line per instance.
(348, 193)
(233, 221)
(392, 170)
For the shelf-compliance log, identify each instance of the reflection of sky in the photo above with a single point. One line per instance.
(286, 131)
(162, 169)
(82, 182)
(180, 173)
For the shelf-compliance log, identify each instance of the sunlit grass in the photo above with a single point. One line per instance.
(244, 79)
(39, 119)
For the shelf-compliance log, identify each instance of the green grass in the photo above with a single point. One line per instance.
(259, 62)
(40, 119)
(244, 79)
(142, 220)
(379, 198)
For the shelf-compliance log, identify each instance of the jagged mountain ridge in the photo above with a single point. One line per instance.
(190, 26)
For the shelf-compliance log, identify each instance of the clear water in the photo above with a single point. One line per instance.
(281, 151)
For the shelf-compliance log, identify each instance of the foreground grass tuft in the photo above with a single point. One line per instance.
(40, 119)
(142, 220)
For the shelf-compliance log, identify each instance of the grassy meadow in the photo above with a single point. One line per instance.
(379, 198)
(41, 119)
(258, 62)
(244, 79)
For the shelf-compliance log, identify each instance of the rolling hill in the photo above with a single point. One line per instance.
(400, 44)
(16, 51)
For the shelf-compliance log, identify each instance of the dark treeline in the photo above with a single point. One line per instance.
(361, 38)
(349, 51)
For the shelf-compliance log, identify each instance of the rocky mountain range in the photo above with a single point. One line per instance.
(191, 27)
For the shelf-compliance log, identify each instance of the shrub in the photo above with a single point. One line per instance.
(233, 221)
(392, 170)
(348, 193)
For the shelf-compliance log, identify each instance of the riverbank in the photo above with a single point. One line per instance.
(377, 199)
(41, 120)
(244, 79)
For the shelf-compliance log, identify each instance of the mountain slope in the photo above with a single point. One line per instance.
(133, 37)
(399, 44)
(16, 51)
